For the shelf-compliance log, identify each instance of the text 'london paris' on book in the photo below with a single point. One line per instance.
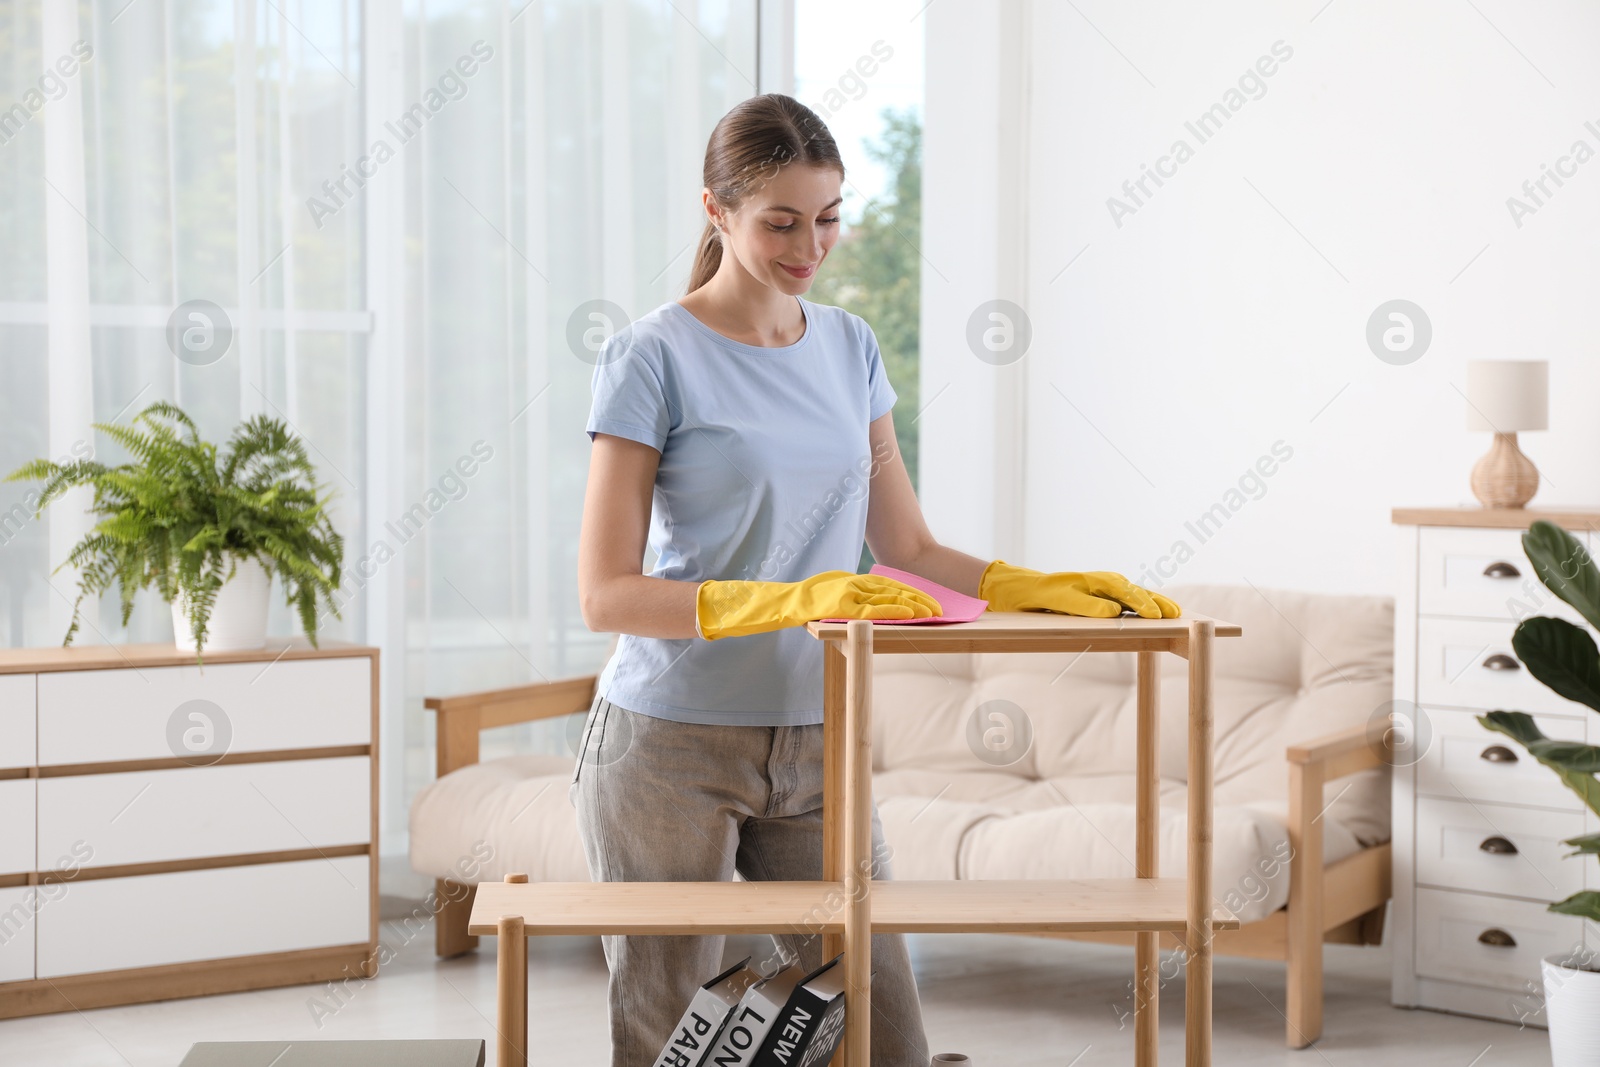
(750, 1021)
(811, 1025)
(707, 1015)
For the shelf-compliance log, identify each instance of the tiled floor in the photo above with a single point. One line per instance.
(1004, 1001)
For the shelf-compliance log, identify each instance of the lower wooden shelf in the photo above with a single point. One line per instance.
(939, 906)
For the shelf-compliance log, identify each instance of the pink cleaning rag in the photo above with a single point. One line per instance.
(958, 607)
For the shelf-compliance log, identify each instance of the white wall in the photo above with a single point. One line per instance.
(1229, 311)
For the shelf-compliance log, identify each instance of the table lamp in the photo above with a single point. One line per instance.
(1504, 396)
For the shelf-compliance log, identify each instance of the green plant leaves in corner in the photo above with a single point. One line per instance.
(1587, 845)
(1560, 655)
(1586, 903)
(1574, 763)
(1564, 565)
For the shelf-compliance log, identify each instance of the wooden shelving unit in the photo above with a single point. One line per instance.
(847, 906)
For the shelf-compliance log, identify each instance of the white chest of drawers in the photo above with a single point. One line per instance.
(168, 830)
(1478, 823)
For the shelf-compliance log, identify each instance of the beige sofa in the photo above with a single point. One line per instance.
(1298, 775)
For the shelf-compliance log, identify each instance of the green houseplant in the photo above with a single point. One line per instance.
(187, 517)
(1564, 657)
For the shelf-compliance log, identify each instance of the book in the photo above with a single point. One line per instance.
(707, 1015)
(752, 1019)
(811, 1024)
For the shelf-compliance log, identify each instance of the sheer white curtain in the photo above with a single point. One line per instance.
(152, 154)
(559, 191)
(410, 215)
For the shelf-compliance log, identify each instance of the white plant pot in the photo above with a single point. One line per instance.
(1572, 1009)
(238, 615)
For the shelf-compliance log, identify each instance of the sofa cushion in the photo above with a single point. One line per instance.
(1307, 665)
(941, 837)
(516, 805)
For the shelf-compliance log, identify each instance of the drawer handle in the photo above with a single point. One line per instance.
(1501, 569)
(1498, 845)
(1502, 662)
(1497, 937)
(1498, 754)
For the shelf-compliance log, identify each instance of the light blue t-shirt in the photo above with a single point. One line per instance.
(764, 475)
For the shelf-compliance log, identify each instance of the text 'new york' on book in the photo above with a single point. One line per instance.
(707, 1015)
(811, 1025)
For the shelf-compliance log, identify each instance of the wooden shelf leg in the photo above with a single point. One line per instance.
(1303, 987)
(858, 844)
(1197, 998)
(833, 834)
(1146, 944)
(511, 985)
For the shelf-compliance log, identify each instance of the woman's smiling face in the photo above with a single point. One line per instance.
(782, 232)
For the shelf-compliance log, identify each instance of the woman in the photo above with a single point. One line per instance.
(746, 433)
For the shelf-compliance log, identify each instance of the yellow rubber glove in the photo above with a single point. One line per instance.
(1096, 594)
(735, 608)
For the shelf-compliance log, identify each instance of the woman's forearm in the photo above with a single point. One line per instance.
(947, 566)
(640, 605)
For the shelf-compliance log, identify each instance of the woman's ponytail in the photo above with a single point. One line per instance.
(707, 257)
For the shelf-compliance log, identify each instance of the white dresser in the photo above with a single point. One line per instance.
(1478, 824)
(168, 830)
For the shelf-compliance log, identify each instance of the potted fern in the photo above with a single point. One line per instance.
(207, 527)
(1564, 657)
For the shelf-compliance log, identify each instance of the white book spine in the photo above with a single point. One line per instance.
(694, 1032)
(749, 1025)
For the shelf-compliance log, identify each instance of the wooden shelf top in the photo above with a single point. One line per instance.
(106, 657)
(1568, 518)
(996, 630)
(940, 906)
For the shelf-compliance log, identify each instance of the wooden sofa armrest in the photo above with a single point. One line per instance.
(1321, 898)
(1338, 754)
(1314, 763)
(462, 717)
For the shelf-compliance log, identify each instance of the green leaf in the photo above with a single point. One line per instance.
(1520, 727)
(1563, 564)
(1588, 844)
(1569, 755)
(1560, 655)
(1586, 903)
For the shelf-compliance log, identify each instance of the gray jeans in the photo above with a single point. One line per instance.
(665, 801)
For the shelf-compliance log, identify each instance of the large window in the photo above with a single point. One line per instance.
(860, 69)
(415, 226)
(409, 224)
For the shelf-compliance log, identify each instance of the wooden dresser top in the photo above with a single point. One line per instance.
(104, 657)
(1568, 518)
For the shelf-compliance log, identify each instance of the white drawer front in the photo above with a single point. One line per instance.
(1457, 665)
(16, 825)
(108, 924)
(1449, 924)
(1451, 836)
(151, 713)
(16, 933)
(1454, 765)
(18, 747)
(1469, 572)
(190, 812)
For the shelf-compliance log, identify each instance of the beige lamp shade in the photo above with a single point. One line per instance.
(1507, 395)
